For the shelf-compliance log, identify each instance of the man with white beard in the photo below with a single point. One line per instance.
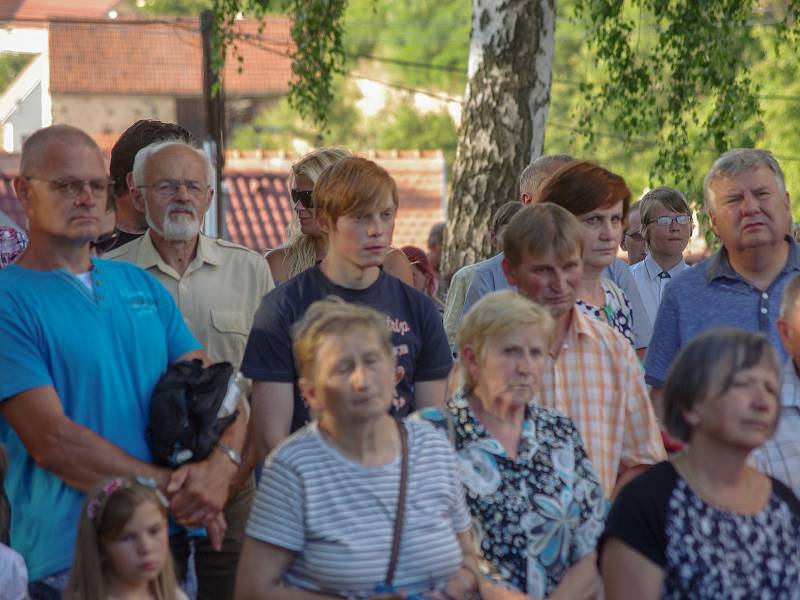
(217, 286)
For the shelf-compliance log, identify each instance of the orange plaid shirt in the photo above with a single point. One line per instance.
(596, 380)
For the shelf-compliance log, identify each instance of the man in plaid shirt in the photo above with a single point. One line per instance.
(592, 372)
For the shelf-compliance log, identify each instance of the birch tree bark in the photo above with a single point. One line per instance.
(502, 126)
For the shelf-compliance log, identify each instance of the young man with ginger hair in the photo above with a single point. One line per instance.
(355, 201)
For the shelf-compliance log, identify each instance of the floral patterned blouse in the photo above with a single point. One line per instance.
(538, 514)
(616, 311)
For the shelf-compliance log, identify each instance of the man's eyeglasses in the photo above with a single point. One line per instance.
(70, 188)
(668, 220)
(167, 188)
(305, 198)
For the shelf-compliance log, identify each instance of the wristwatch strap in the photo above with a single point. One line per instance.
(235, 457)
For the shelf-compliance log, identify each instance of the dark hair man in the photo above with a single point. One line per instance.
(130, 220)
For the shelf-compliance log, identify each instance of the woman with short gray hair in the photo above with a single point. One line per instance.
(706, 524)
(533, 492)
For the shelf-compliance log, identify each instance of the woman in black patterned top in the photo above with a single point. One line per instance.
(533, 493)
(706, 524)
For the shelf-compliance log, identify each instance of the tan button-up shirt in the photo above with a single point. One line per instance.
(218, 294)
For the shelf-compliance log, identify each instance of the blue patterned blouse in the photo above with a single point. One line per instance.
(537, 514)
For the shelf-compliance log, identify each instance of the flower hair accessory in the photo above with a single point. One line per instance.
(95, 506)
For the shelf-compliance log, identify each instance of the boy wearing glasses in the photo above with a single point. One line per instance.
(666, 228)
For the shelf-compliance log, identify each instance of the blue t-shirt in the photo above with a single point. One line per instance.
(712, 294)
(103, 351)
(417, 333)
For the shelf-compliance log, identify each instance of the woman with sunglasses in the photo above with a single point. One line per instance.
(666, 227)
(307, 243)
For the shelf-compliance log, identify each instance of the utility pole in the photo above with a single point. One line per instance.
(213, 104)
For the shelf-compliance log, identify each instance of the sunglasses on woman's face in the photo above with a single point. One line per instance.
(304, 198)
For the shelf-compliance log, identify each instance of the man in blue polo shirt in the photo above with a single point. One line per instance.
(742, 284)
(84, 344)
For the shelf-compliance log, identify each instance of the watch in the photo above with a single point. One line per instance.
(235, 457)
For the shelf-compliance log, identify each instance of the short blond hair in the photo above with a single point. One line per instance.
(350, 185)
(334, 316)
(539, 228)
(498, 314)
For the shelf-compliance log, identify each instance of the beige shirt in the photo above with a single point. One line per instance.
(218, 294)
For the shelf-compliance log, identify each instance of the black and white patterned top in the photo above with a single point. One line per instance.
(616, 312)
(537, 514)
(706, 552)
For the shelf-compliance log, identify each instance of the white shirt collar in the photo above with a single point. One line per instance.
(654, 269)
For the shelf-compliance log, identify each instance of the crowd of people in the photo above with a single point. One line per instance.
(553, 422)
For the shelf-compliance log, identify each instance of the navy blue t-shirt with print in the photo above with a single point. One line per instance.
(417, 333)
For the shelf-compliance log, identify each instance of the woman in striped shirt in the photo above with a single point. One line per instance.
(323, 519)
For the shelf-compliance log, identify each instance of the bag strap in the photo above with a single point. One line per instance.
(401, 503)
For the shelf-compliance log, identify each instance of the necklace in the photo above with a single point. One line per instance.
(743, 506)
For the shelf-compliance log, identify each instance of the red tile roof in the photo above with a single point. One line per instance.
(259, 209)
(42, 9)
(146, 57)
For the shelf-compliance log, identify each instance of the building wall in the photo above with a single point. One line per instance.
(110, 114)
(26, 118)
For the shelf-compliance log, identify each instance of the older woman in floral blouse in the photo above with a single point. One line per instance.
(531, 489)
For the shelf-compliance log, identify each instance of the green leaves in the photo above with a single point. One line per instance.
(676, 70)
(319, 54)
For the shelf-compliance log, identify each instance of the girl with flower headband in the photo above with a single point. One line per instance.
(122, 552)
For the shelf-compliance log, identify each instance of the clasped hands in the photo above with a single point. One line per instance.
(197, 494)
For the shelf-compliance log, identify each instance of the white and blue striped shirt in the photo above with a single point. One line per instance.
(338, 516)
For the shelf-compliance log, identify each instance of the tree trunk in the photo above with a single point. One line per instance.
(502, 127)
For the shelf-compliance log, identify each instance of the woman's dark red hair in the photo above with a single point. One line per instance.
(583, 186)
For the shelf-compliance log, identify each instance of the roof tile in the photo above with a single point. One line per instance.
(146, 57)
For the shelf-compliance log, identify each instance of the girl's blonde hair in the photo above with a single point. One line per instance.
(495, 315)
(107, 509)
(300, 247)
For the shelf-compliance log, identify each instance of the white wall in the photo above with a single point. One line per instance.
(106, 114)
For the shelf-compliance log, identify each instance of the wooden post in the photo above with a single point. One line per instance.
(213, 103)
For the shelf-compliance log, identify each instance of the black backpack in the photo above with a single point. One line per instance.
(183, 425)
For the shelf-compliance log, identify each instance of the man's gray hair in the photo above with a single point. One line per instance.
(738, 161)
(140, 161)
(532, 176)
